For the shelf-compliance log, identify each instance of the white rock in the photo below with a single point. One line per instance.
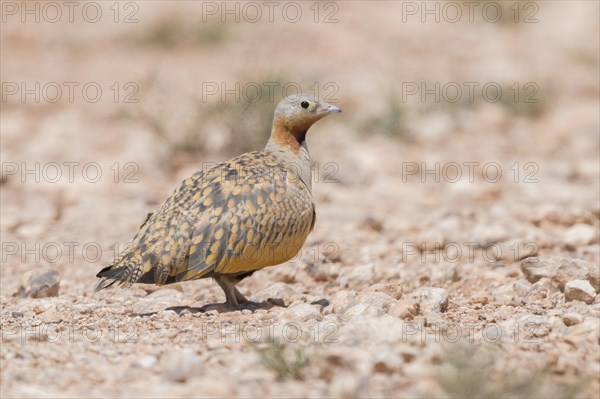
(506, 295)
(157, 301)
(432, 240)
(342, 301)
(358, 276)
(300, 313)
(39, 284)
(431, 299)
(363, 309)
(486, 234)
(180, 365)
(580, 234)
(522, 287)
(580, 290)
(279, 290)
(570, 269)
(373, 330)
(168, 314)
(443, 272)
(378, 299)
(541, 292)
(585, 333)
(558, 269)
(556, 324)
(145, 362)
(535, 268)
(533, 325)
(371, 304)
(393, 290)
(51, 316)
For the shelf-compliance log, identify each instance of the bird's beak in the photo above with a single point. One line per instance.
(329, 109)
(333, 108)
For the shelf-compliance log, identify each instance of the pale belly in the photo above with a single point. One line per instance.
(260, 255)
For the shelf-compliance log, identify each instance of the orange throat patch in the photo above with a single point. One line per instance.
(285, 138)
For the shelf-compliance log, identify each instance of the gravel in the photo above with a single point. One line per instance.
(410, 285)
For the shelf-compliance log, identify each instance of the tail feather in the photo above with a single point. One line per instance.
(104, 283)
(110, 276)
(121, 271)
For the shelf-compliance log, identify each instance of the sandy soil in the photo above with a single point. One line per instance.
(456, 247)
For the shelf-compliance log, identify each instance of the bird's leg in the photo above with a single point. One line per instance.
(238, 295)
(237, 278)
(229, 289)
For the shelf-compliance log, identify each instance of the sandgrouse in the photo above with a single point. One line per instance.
(239, 216)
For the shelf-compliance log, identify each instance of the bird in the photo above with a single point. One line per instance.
(234, 218)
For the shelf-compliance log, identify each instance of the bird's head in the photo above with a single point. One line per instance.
(296, 113)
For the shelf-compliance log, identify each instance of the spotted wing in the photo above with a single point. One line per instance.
(257, 219)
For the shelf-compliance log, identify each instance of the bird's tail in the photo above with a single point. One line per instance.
(104, 282)
(124, 271)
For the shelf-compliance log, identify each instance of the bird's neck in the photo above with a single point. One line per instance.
(291, 149)
(286, 137)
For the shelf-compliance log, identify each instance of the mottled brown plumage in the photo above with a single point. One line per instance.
(240, 216)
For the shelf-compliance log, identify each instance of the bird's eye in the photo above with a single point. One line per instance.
(304, 104)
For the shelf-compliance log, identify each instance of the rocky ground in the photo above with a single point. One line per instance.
(456, 251)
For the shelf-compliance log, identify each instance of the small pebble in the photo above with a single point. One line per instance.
(580, 290)
(571, 319)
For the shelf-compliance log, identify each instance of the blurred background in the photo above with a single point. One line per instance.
(462, 122)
